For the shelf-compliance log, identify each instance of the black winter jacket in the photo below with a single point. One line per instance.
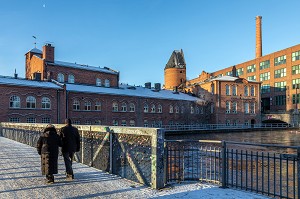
(70, 139)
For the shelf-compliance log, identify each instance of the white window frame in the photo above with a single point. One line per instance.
(46, 103)
(14, 102)
(30, 102)
(60, 77)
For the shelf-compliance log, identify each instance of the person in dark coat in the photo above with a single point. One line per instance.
(70, 144)
(48, 148)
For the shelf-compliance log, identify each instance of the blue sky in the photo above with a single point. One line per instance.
(137, 37)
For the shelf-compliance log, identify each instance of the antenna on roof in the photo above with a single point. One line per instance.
(34, 41)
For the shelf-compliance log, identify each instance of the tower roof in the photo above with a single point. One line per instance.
(176, 60)
(35, 50)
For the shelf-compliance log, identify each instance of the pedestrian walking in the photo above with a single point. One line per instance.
(70, 144)
(48, 148)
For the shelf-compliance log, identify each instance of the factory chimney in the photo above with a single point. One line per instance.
(258, 49)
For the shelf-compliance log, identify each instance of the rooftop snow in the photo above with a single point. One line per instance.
(229, 78)
(24, 82)
(80, 66)
(35, 50)
(138, 92)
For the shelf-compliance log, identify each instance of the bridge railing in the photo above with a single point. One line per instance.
(133, 153)
(272, 170)
(224, 126)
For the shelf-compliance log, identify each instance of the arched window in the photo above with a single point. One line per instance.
(171, 109)
(197, 110)
(60, 77)
(131, 107)
(76, 105)
(246, 91)
(192, 110)
(152, 108)
(124, 107)
(107, 83)
(71, 79)
(146, 108)
(227, 106)
(234, 90)
(227, 90)
(14, 102)
(87, 106)
(176, 109)
(30, 102)
(98, 82)
(97, 106)
(115, 107)
(159, 108)
(252, 91)
(46, 103)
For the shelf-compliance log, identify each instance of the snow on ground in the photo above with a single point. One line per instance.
(20, 177)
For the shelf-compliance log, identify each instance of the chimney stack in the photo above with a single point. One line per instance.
(48, 52)
(258, 49)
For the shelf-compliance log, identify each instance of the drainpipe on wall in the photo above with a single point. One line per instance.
(58, 106)
(67, 105)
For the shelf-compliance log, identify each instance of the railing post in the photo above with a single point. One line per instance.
(298, 172)
(224, 164)
(110, 150)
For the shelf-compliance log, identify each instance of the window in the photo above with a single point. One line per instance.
(98, 106)
(234, 107)
(170, 109)
(234, 122)
(295, 69)
(265, 88)
(106, 83)
(152, 108)
(252, 78)
(264, 76)
(145, 123)
(192, 110)
(229, 73)
(30, 102)
(251, 68)
(227, 107)
(14, 102)
(280, 60)
(296, 56)
(176, 109)
(264, 64)
(97, 122)
(124, 107)
(98, 82)
(246, 107)
(71, 79)
(87, 106)
(182, 109)
(252, 107)
(227, 122)
(131, 107)
(227, 90)
(201, 110)
(60, 77)
(88, 122)
(234, 90)
(280, 86)
(246, 123)
(280, 100)
(246, 92)
(239, 71)
(252, 91)
(14, 119)
(31, 120)
(131, 123)
(197, 110)
(115, 107)
(212, 89)
(46, 120)
(76, 122)
(211, 108)
(295, 83)
(123, 123)
(296, 98)
(159, 108)
(280, 73)
(46, 103)
(159, 123)
(146, 108)
(115, 123)
(76, 105)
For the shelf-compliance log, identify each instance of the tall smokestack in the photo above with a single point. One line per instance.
(258, 49)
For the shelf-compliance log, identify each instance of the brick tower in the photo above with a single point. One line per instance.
(258, 49)
(175, 71)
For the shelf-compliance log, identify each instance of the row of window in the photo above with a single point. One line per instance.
(266, 64)
(234, 122)
(231, 107)
(71, 80)
(45, 120)
(131, 107)
(15, 102)
(232, 90)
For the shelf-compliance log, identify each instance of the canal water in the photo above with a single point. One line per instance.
(278, 137)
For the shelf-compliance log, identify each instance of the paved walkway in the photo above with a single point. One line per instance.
(20, 177)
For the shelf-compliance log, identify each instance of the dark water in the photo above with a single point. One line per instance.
(282, 137)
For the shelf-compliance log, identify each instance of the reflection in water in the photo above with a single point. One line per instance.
(284, 137)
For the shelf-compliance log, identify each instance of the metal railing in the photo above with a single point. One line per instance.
(267, 169)
(225, 126)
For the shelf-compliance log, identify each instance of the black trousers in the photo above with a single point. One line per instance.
(68, 157)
